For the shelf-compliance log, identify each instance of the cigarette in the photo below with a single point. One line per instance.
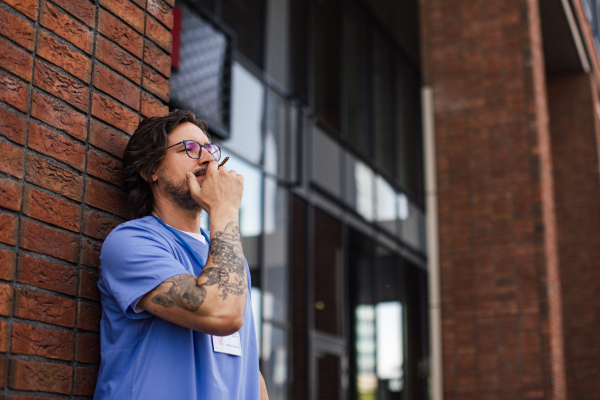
(223, 162)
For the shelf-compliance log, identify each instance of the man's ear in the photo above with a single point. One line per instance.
(153, 176)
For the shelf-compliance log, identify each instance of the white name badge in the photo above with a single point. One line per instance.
(228, 344)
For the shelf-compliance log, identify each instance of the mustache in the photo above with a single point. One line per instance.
(201, 171)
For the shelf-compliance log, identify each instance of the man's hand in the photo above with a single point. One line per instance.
(221, 190)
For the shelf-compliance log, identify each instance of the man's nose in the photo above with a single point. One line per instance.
(205, 156)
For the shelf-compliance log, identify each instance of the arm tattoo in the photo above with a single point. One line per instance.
(229, 274)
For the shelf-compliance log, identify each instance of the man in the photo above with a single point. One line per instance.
(177, 321)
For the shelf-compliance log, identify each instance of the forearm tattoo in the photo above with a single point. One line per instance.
(228, 274)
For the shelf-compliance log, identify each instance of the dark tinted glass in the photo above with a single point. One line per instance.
(247, 19)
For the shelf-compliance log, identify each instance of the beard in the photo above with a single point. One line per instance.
(180, 193)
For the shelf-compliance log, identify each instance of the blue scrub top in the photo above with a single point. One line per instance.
(146, 357)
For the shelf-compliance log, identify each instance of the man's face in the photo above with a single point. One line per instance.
(170, 176)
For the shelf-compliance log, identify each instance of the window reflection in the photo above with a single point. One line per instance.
(363, 180)
(386, 204)
(275, 135)
(274, 361)
(388, 316)
(246, 115)
(256, 295)
(326, 163)
(412, 225)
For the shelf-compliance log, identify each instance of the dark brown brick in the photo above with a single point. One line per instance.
(8, 228)
(155, 83)
(87, 349)
(27, 7)
(157, 58)
(127, 11)
(88, 285)
(14, 92)
(153, 107)
(20, 397)
(66, 27)
(7, 264)
(44, 308)
(4, 336)
(43, 239)
(105, 167)
(170, 2)
(3, 372)
(98, 225)
(38, 376)
(161, 11)
(107, 138)
(56, 145)
(47, 275)
(12, 160)
(42, 342)
(88, 316)
(10, 194)
(61, 116)
(117, 87)
(85, 381)
(54, 178)
(47, 208)
(107, 198)
(60, 85)
(6, 299)
(82, 9)
(120, 33)
(116, 115)
(158, 34)
(12, 126)
(62, 56)
(119, 60)
(15, 60)
(90, 253)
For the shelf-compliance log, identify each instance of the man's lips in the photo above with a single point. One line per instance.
(200, 172)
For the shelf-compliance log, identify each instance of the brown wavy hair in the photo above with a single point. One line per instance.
(145, 150)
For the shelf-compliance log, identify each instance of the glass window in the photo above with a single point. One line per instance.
(278, 41)
(275, 253)
(275, 136)
(386, 205)
(299, 44)
(275, 361)
(247, 105)
(247, 19)
(412, 224)
(359, 187)
(326, 163)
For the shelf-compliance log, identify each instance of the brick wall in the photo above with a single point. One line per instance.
(500, 287)
(75, 79)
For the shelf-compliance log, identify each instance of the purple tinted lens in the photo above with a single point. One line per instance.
(214, 150)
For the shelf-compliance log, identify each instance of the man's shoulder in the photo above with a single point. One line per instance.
(139, 228)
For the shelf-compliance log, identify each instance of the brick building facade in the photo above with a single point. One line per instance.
(515, 114)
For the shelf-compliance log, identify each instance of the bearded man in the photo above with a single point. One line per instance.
(176, 318)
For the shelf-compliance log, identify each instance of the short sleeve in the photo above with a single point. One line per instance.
(134, 260)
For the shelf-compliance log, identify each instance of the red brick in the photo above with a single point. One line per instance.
(170, 2)
(90, 253)
(88, 285)
(85, 381)
(61, 116)
(4, 336)
(38, 376)
(87, 349)
(161, 11)
(116, 115)
(10, 194)
(63, 56)
(14, 92)
(66, 27)
(88, 316)
(47, 208)
(19, 397)
(12, 126)
(107, 198)
(56, 145)
(120, 33)
(117, 87)
(44, 307)
(8, 228)
(82, 9)
(7, 264)
(27, 7)
(12, 160)
(158, 34)
(17, 29)
(98, 225)
(15, 60)
(60, 85)
(43, 239)
(127, 11)
(104, 167)
(107, 138)
(47, 275)
(3, 372)
(42, 342)
(118, 59)
(6, 299)
(153, 107)
(157, 58)
(54, 178)
(155, 83)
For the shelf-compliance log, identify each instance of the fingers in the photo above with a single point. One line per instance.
(192, 182)
(212, 165)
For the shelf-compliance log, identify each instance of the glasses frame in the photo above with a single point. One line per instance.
(202, 146)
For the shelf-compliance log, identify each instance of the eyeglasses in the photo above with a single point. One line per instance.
(194, 149)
